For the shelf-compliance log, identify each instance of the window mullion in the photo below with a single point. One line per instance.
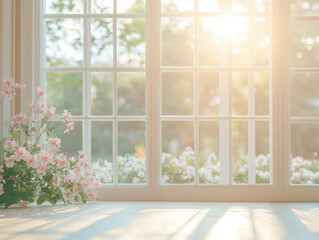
(115, 121)
(153, 90)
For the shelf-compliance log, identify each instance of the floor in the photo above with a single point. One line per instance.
(153, 220)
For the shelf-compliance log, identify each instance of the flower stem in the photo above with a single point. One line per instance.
(2, 127)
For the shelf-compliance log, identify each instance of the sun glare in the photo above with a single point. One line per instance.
(227, 26)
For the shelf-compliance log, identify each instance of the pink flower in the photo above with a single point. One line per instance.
(9, 162)
(40, 92)
(64, 161)
(10, 145)
(50, 112)
(8, 82)
(32, 161)
(69, 127)
(46, 157)
(18, 85)
(66, 116)
(93, 195)
(82, 155)
(55, 142)
(1, 169)
(20, 154)
(43, 170)
(1, 189)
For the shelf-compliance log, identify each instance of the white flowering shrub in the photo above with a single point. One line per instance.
(178, 169)
(181, 169)
(303, 171)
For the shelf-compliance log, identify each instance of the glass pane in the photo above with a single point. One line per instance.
(131, 42)
(304, 7)
(131, 160)
(209, 41)
(177, 5)
(240, 93)
(261, 93)
(240, 44)
(101, 93)
(209, 165)
(130, 6)
(304, 164)
(131, 94)
(64, 91)
(304, 49)
(209, 97)
(262, 5)
(101, 42)
(177, 42)
(101, 6)
(240, 5)
(178, 159)
(262, 48)
(102, 151)
(240, 152)
(209, 6)
(304, 94)
(262, 152)
(64, 6)
(64, 42)
(70, 143)
(177, 94)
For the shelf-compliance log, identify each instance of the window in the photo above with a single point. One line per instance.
(186, 100)
(304, 92)
(95, 68)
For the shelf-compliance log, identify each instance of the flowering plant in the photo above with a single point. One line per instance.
(33, 168)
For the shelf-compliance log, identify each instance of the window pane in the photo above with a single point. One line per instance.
(304, 7)
(240, 93)
(261, 93)
(131, 42)
(209, 6)
(131, 160)
(177, 5)
(262, 152)
(101, 6)
(262, 5)
(209, 96)
(304, 164)
(64, 42)
(101, 93)
(209, 164)
(240, 43)
(209, 41)
(130, 6)
(304, 94)
(131, 94)
(177, 42)
(304, 49)
(101, 42)
(102, 151)
(70, 143)
(240, 152)
(64, 91)
(178, 159)
(262, 48)
(64, 6)
(240, 5)
(177, 94)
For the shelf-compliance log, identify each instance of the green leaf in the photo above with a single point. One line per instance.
(41, 199)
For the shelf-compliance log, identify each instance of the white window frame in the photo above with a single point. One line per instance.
(279, 190)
